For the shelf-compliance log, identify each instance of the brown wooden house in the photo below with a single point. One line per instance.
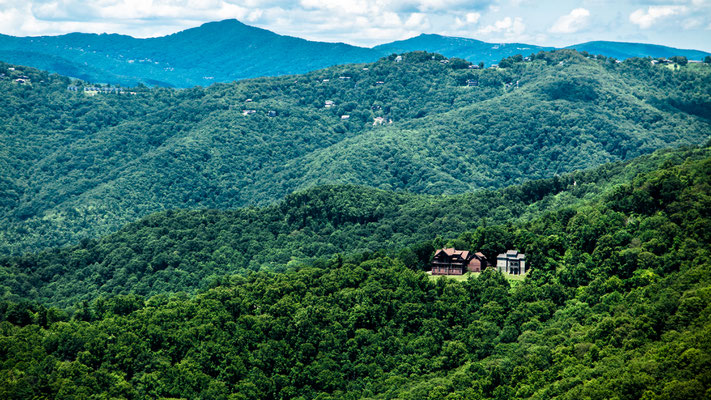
(456, 262)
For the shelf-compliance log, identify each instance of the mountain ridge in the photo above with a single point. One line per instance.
(316, 223)
(79, 166)
(228, 50)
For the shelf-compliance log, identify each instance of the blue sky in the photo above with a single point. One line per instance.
(678, 23)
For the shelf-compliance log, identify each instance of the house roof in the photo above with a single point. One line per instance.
(512, 255)
(452, 252)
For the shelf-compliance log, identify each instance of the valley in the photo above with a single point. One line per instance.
(82, 166)
(228, 213)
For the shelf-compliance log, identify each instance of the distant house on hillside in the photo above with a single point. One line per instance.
(451, 261)
(511, 262)
(381, 120)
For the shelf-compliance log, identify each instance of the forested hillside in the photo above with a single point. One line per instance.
(225, 51)
(183, 250)
(623, 50)
(80, 164)
(221, 51)
(616, 305)
(468, 49)
(491, 53)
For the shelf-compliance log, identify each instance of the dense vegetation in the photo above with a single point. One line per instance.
(490, 53)
(622, 50)
(617, 306)
(77, 166)
(230, 50)
(214, 52)
(183, 250)
(468, 49)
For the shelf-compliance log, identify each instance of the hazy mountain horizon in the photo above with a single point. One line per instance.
(229, 50)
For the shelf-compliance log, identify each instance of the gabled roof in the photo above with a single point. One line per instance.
(453, 252)
(512, 255)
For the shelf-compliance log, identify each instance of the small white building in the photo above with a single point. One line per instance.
(511, 262)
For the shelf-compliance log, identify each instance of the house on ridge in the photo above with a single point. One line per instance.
(450, 261)
(511, 262)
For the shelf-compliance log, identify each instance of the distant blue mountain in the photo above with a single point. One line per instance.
(230, 50)
(491, 53)
(214, 52)
(623, 50)
(469, 49)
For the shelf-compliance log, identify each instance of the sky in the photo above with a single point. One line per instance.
(676, 23)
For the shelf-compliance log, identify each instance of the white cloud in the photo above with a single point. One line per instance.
(645, 19)
(417, 20)
(472, 17)
(572, 22)
(369, 22)
(508, 25)
(692, 23)
(469, 19)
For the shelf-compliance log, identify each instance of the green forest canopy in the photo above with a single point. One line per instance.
(74, 166)
(617, 305)
(183, 250)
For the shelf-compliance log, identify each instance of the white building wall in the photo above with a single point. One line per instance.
(502, 265)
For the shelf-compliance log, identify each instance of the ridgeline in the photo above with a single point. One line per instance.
(81, 163)
(616, 304)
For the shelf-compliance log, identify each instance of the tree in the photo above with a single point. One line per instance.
(681, 60)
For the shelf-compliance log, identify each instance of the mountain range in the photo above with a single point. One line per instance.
(81, 163)
(230, 50)
(616, 305)
(273, 237)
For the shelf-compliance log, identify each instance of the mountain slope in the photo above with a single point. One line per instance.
(185, 250)
(617, 305)
(230, 50)
(623, 50)
(468, 49)
(214, 52)
(491, 53)
(78, 166)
